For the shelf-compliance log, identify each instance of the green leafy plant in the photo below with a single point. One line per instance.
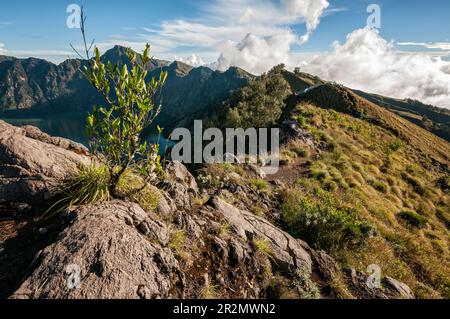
(116, 130)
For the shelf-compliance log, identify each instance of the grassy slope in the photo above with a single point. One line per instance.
(376, 165)
(374, 174)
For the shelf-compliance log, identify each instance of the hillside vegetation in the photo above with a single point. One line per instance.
(371, 189)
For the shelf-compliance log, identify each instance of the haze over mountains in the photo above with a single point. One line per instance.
(35, 87)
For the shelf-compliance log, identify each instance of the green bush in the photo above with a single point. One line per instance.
(413, 219)
(321, 223)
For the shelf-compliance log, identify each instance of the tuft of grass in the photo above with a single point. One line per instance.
(413, 219)
(133, 187)
(263, 246)
(210, 291)
(259, 185)
(301, 120)
(177, 240)
(89, 185)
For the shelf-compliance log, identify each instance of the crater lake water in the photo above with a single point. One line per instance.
(73, 127)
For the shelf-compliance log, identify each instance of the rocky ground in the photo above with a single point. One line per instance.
(194, 244)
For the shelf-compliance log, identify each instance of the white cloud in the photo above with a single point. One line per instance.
(2, 49)
(256, 54)
(429, 45)
(311, 11)
(368, 62)
(192, 60)
(252, 34)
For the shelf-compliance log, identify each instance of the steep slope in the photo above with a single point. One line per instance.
(434, 119)
(342, 99)
(357, 180)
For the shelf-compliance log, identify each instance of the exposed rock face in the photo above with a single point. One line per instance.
(288, 253)
(118, 252)
(389, 289)
(32, 163)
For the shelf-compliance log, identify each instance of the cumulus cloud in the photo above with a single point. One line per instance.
(368, 62)
(256, 54)
(2, 49)
(192, 60)
(252, 34)
(311, 11)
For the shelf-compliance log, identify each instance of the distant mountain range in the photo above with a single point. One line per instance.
(35, 87)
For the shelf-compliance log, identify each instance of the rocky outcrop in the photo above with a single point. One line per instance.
(109, 251)
(389, 288)
(33, 164)
(288, 254)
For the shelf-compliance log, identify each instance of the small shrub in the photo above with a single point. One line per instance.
(321, 223)
(394, 146)
(304, 284)
(413, 219)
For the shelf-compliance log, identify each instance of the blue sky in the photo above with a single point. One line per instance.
(406, 56)
(38, 28)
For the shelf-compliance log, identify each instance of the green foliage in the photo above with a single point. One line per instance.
(115, 131)
(321, 223)
(259, 104)
(413, 219)
(259, 185)
(177, 240)
(305, 285)
(301, 120)
(263, 246)
(394, 146)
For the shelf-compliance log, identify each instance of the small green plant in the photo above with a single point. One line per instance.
(301, 121)
(304, 284)
(263, 246)
(394, 146)
(259, 185)
(89, 185)
(413, 219)
(177, 240)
